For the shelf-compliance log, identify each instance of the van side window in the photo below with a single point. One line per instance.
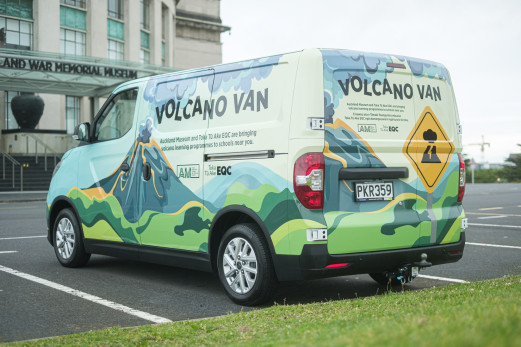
(116, 120)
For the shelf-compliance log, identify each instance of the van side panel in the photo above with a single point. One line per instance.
(99, 197)
(247, 145)
(308, 103)
(172, 131)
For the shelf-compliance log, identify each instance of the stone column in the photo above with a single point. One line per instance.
(96, 28)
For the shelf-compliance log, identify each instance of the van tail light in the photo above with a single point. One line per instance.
(461, 186)
(308, 180)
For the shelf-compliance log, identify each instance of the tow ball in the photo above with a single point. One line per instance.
(406, 273)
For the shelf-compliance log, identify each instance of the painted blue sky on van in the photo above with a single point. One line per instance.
(240, 75)
(160, 90)
(236, 76)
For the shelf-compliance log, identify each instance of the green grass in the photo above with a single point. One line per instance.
(476, 314)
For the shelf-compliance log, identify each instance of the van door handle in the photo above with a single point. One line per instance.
(125, 167)
(147, 171)
(360, 173)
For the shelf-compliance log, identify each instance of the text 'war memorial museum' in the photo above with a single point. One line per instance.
(60, 59)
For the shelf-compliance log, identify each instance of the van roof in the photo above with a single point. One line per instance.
(269, 60)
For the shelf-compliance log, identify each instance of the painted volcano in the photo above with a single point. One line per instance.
(163, 192)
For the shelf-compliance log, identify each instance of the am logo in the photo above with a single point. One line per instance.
(188, 171)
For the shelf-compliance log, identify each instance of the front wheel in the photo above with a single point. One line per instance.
(68, 241)
(244, 265)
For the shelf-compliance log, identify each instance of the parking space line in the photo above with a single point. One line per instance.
(455, 280)
(86, 296)
(491, 245)
(491, 217)
(21, 237)
(492, 214)
(8, 252)
(495, 225)
(490, 208)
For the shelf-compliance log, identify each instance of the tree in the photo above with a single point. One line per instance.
(513, 172)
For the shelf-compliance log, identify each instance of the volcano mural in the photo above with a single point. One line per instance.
(163, 192)
(129, 204)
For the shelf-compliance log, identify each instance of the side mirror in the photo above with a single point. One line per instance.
(81, 132)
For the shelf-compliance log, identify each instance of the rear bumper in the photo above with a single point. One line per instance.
(314, 258)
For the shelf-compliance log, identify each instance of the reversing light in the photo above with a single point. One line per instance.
(308, 180)
(330, 266)
(461, 186)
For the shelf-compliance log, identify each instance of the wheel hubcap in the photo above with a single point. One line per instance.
(65, 239)
(240, 265)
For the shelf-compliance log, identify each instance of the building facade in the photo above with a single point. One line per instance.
(71, 53)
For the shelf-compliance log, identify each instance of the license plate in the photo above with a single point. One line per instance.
(374, 191)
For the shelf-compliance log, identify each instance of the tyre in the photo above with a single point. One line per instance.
(381, 279)
(245, 267)
(68, 241)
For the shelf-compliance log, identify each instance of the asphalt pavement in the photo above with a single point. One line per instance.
(39, 298)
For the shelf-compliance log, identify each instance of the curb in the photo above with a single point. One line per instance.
(24, 200)
(27, 196)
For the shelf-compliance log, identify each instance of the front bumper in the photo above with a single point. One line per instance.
(314, 259)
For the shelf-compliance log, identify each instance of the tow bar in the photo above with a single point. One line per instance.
(406, 273)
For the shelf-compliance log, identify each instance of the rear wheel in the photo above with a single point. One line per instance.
(68, 241)
(244, 266)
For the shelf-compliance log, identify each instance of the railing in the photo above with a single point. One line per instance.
(46, 148)
(14, 162)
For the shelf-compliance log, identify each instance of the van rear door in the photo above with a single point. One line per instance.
(371, 193)
(432, 147)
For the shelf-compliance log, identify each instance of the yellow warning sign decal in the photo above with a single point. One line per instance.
(429, 149)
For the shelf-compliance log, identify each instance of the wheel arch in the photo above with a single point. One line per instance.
(228, 217)
(60, 203)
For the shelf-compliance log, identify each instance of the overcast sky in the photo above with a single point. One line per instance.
(478, 41)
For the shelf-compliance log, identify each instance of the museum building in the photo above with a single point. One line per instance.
(60, 59)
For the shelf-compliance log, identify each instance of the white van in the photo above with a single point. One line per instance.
(309, 164)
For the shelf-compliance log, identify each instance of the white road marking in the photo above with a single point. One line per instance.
(22, 237)
(491, 245)
(8, 252)
(491, 217)
(443, 279)
(89, 297)
(492, 214)
(496, 225)
(490, 208)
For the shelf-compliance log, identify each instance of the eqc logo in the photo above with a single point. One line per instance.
(391, 129)
(224, 170)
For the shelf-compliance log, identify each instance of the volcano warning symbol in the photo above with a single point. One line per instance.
(430, 156)
(429, 149)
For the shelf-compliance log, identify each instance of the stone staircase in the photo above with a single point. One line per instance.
(34, 175)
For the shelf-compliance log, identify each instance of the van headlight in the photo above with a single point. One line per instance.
(57, 167)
